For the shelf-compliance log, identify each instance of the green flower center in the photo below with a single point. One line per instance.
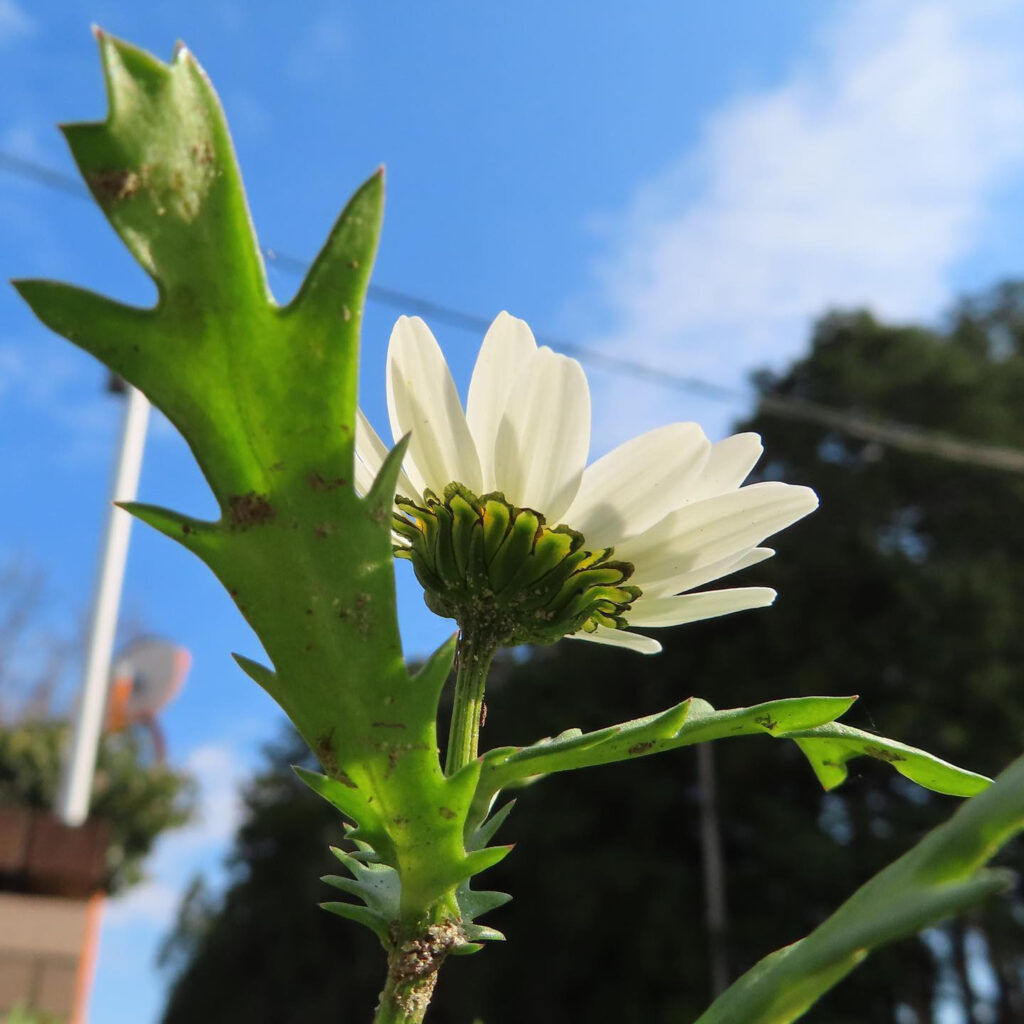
(501, 572)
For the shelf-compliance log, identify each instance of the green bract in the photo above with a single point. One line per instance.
(500, 572)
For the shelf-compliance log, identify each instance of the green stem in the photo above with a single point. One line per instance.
(403, 1001)
(417, 951)
(474, 658)
(413, 962)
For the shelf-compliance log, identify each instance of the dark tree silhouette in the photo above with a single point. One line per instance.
(905, 588)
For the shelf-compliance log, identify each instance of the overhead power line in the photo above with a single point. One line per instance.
(904, 436)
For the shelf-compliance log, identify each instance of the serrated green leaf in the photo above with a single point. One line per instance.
(940, 876)
(830, 747)
(190, 533)
(466, 949)
(356, 803)
(433, 674)
(692, 721)
(773, 718)
(570, 740)
(474, 902)
(361, 915)
(481, 860)
(808, 720)
(259, 674)
(379, 889)
(485, 832)
(484, 933)
(266, 399)
(380, 501)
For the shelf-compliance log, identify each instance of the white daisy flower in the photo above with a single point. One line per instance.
(511, 531)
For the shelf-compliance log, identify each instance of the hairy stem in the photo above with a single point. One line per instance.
(474, 658)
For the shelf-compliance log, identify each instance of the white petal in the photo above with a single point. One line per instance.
(422, 399)
(674, 611)
(364, 477)
(728, 465)
(698, 577)
(544, 436)
(637, 484)
(702, 533)
(619, 638)
(371, 452)
(507, 347)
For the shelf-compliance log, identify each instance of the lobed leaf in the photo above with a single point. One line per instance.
(265, 396)
(810, 721)
(940, 876)
(692, 721)
(829, 748)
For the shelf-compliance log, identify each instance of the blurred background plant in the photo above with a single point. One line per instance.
(905, 587)
(137, 797)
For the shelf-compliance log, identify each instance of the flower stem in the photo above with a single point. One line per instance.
(413, 963)
(474, 658)
(403, 1000)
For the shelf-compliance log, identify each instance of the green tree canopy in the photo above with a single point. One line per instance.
(905, 587)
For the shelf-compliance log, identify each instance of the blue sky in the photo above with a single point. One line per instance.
(684, 184)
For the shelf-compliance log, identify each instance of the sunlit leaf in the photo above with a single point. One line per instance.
(941, 876)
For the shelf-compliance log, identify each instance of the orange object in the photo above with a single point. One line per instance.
(87, 960)
(117, 707)
(148, 675)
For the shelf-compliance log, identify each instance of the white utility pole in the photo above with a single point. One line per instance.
(75, 791)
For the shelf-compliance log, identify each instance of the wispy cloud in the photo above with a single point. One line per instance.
(14, 22)
(49, 380)
(153, 902)
(21, 139)
(220, 772)
(860, 179)
(317, 51)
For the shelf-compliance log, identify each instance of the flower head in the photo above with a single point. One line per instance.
(509, 528)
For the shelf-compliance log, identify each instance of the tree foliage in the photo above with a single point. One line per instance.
(903, 588)
(137, 800)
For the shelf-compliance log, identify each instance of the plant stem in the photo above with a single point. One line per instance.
(417, 951)
(413, 963)
(403, 1001)
(474, 658)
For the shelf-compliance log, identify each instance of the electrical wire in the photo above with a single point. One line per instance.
(903, 436)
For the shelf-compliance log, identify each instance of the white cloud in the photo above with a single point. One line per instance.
(50, 382)
(247, 114)
(12, 367)
(149, 902)
(861, 179)
(21, 139)
(220, 771)
(41, 378)
(316, 53)
(14, 22)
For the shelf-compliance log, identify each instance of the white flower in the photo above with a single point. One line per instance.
(668, 501)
